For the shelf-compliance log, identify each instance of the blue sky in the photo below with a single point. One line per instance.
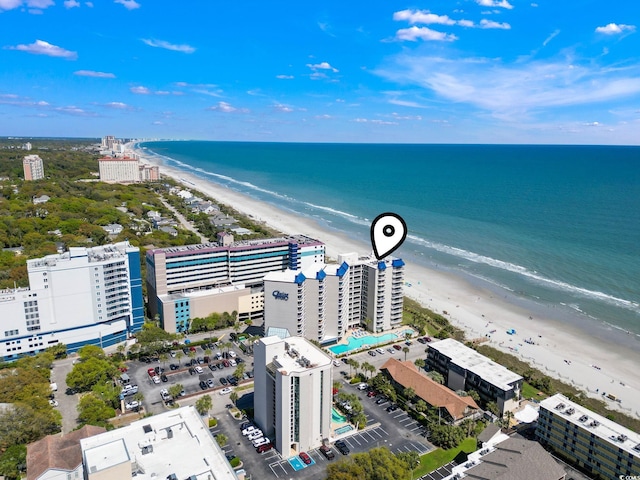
(468, 71)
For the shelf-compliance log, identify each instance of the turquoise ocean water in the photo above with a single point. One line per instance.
(546, 226)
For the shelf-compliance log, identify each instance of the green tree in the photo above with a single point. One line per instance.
(179, 356)
(436, 377)
(421, 406)
(92, 371)
(13, 461)
(94, 411)
(222, 440)
(24, 424)
(175, 390)
(446, 436)
(475, 395)
(493, 408)
(420, 363)
(409, 393)
(239, 371)
(353, 363)
(411, 459)
(164, 358)
(204, 404)
(345, 469)
(108, 393)
(91, 351)
(405, 350)
(233, 397)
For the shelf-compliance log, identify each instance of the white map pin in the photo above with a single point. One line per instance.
(388, 231)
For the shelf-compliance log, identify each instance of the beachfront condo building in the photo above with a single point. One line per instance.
(126, 170)
(293, 392)
(174, 445)
(86, 296)
(465, 369)
(194, 281)
(323, 301)
(600, 446)
(33, 167)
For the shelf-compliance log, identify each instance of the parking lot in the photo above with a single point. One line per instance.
(190, 380)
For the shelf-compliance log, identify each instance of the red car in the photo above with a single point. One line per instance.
(193, 349)
(305, 458)
(151, 372)
(372, 393)
(264, 448)
(397, 347)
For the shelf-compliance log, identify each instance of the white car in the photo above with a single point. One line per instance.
(53, 403)
(225, 391)
(380, 351)
(248, 430)
(156, 379)
(132, 405)
(336, 363)
(260, 441)
(198, 369)
(232, 354)
(232, 363)
(255, 435)
(362, 386)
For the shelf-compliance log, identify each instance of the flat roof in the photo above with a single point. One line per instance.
(474, 362)
(608, 430)
(296, 354)
(175, 442)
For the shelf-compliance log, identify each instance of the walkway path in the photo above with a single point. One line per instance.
(186, 224)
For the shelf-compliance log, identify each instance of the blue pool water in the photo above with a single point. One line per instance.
(336, 417)
(344, 429)
(354, 343)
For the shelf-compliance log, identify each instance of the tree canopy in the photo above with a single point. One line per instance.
(92, 371)
(376, 464)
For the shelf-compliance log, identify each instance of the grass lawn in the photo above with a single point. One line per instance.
(529, 391)
(439, 457)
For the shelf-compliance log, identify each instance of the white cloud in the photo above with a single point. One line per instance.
(209, 93)
(510, 89)
(128, 4)
(615, 29)
(227, 108)
(89, 4)
(195, 85)
(75, 111)
(323, 117)
(91, 73)
(553, 35)
(40, 3)
(40, 47)
(285, 77)
(322, 66)
(169, 46)
(118, 106)
(495, 3)
(71, 3)
(413, 34)
(279, 107)
(140, 90)
(423, 16)
(484, 23)
(9, 4)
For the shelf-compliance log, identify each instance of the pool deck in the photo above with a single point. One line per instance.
(361, 332)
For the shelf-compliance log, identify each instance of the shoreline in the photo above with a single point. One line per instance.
(559, 349)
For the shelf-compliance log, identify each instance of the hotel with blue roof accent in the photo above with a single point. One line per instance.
(197, 280)
(323, 301)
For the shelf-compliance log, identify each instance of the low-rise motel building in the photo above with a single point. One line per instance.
(293, 392)
(465, 369)
(600, 446)
(173, 445)
(193, 281)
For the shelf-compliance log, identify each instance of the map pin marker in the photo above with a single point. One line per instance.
(388, 231)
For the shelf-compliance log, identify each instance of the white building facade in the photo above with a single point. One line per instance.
(33, 167)
(119, 170)
(196, 280)
(293, 391)
(323, 301)
(80, 297)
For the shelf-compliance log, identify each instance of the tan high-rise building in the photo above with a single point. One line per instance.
(33, 167)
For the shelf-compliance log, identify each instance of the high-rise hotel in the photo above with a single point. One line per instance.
(321, 302)
(196, 280)
(33, 167)
(80, 297)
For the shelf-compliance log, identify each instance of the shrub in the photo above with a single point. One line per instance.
(213, 422)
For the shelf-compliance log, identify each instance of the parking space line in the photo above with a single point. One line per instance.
(384, 431)
(370, 436)
(376, 432)
(274, 472)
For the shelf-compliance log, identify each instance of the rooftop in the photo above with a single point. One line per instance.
(474, 362)
(609, 431)
(93, 254)
(175, 442)
(407, 375)
(295, 354)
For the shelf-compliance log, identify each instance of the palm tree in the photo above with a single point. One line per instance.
(233, 397)
(436, 377)
(174, 390)
(405, 350)
(204, 404)
(353, 363)
(179, 355)
(163, 358)
(192, 354)
(407, 336)
(420, 363)
(409, 393)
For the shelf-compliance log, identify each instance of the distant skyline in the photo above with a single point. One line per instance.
(466, 71)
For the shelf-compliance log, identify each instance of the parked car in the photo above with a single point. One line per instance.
(380, 351)
(223, 381)
(151, 372)
(203, 385)
(342, 447)
(173, 366)
(305, 458)
(53, 402)
(245, 425)
(260, 441)
(392, 408)
(397, 347)
(192, 371)
(391, 350)
(232, 363)
(155, 379)
(193, 349)
(248, 430)
(164, 378)
(372, 353)
(255, 435)
(185, 350)
(264, 448)
(327, 452)
(232, 354)
(336, 363)
(381, 400)
(132, 405)
(408, 343)
(198, 369)
(212, 367)
(371, 393)
(210, 382)
(173, 354)
(362, 386)
(225, 391)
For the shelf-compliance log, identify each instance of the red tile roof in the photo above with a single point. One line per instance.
(407, 375)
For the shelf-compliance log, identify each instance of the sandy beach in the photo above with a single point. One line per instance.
(557, 349)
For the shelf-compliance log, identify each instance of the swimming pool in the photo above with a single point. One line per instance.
(337, 417)
(345, 429)
(354, 343)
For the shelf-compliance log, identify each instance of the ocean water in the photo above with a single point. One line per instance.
(548, 226)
